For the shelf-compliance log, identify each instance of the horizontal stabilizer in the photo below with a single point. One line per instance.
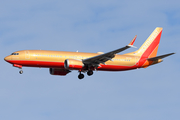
(159, 57)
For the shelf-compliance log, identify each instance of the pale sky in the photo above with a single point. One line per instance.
(89, 26)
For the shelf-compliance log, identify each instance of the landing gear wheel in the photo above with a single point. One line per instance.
(90, 72)
(21, 72)
(81, 76)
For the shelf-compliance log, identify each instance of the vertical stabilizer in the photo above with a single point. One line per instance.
(150, 46)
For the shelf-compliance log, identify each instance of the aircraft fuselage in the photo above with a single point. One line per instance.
(55, 59)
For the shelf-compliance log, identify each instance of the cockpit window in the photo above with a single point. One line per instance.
(15, 54)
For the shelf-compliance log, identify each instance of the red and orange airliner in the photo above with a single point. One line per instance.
(61, 62)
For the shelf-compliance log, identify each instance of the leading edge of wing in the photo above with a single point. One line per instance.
(107, 56)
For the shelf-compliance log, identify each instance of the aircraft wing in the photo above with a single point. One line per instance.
(160, 57)
(96, 60)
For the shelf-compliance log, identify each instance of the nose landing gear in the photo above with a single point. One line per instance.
(21, 72)
(18, 66)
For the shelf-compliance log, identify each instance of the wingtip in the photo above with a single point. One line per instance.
(172, 53)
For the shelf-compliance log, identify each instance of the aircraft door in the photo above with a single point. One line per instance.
(27, 55)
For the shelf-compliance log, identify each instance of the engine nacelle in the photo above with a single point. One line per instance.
(58, 71)
(72, 64)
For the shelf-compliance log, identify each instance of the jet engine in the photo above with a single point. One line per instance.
(72, 64)
(58, 71)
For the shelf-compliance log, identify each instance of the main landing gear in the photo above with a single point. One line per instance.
(81, 76)
(90, 72)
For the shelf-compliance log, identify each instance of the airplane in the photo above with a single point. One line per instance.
(63, 62)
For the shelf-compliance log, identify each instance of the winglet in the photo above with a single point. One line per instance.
(132, 42)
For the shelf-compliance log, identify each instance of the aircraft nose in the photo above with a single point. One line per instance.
(7, 58)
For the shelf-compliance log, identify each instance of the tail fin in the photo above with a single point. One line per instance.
(150, 47)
